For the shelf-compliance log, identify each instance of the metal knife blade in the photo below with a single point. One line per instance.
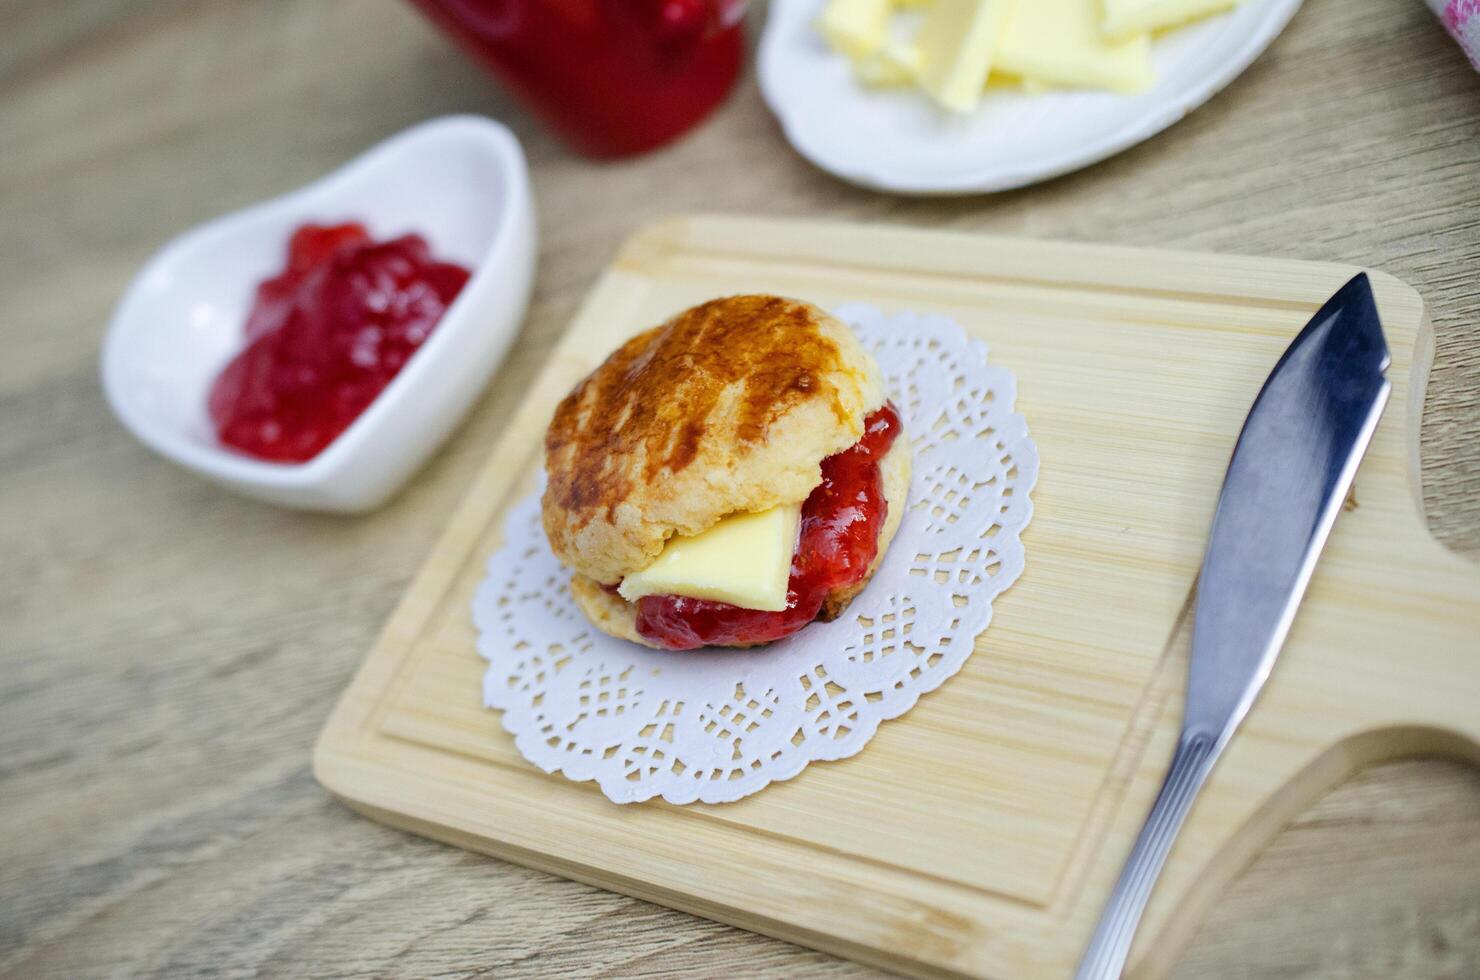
(1291, 471)
(1289, 476)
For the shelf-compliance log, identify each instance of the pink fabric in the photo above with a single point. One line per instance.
(1462, 18)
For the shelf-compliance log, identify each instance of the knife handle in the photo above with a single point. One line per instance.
(1105, 956)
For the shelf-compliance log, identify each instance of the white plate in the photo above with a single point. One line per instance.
(897, 140)
(459, 181)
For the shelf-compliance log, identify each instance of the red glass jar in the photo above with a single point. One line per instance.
(613, 77)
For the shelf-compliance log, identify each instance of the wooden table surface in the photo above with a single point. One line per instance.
(169, 651)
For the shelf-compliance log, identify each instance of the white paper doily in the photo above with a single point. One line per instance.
(718, 725)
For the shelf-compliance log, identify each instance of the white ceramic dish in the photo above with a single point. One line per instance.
(897, 140)
(459, 181)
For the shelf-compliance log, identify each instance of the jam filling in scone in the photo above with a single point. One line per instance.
(839, 539)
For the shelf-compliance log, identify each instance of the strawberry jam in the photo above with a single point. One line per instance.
(325, 336)
(841, 521)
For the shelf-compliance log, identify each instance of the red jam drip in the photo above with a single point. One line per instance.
(839, 538)
(325, 336)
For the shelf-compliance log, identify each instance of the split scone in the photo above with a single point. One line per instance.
(727, 477)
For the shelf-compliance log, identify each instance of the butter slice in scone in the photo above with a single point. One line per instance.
(1058, 43)
(744, 560)
(1126, 17)
(957, 40)
(855, 27)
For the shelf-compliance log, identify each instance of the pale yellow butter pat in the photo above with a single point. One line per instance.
(855, 27)
(1058, 43)
(896, 63)
(744, 560)
(1126, 17)
(957, 41)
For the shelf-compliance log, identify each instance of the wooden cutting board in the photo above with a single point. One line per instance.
(980, 833)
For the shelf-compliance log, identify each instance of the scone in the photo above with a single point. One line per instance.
(726, 477)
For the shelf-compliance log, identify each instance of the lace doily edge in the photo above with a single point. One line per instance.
(622, 792)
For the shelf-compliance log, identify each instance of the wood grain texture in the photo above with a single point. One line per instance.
(167, 652)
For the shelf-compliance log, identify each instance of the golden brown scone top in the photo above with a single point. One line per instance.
(729, 406)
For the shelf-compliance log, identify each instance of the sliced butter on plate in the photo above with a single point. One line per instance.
(744, 560)
(956, 41)
(1126, 17)
(895, 63)
(855, 27)
(1057, 43)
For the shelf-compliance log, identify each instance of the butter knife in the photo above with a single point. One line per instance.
(1291, 471)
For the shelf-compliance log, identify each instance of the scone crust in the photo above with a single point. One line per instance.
(728, 407)
(615, 615)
